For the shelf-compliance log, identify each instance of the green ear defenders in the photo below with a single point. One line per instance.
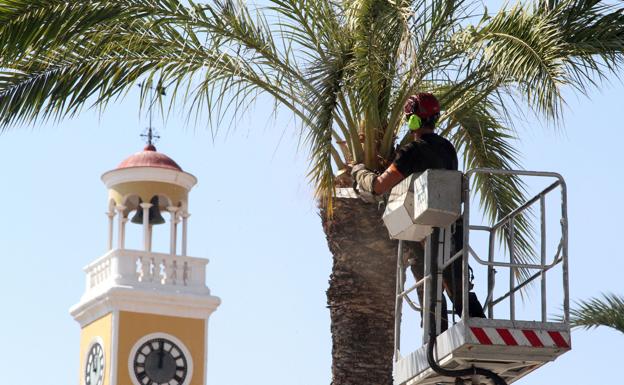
(414, 123)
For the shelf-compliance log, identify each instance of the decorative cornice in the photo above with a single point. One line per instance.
(132, 299)
(149, 174)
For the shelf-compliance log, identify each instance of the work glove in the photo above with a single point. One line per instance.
(363, 183)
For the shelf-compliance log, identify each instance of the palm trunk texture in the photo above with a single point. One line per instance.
(361, 293)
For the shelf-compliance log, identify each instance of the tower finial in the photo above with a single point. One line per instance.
(149, 134)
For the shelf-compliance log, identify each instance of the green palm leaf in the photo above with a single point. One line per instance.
(485, 142)
(343, 68)
(606, 311)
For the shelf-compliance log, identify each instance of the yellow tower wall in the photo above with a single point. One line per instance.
(102, 328)
(133, 326)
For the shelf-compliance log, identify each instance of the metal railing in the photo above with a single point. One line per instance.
(507, 226)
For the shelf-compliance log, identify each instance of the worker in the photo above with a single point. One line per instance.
(428, 150)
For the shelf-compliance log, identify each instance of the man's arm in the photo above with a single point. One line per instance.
(386, 181)
(369, 182)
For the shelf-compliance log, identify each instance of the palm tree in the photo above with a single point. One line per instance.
(605, 311)
(343, 68)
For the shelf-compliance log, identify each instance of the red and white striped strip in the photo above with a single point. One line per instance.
(521, 337)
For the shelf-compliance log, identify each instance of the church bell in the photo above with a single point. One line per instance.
(154, 213)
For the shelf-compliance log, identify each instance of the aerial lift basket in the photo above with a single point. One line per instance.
(507, 346)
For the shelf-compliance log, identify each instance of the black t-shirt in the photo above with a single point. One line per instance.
(430, 151)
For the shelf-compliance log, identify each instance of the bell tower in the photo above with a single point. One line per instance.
(144, 314)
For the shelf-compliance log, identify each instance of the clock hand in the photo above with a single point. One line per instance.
(161, 354)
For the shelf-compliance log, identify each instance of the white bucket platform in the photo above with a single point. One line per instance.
(510, 345)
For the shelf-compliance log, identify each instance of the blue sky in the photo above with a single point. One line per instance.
(254, 216)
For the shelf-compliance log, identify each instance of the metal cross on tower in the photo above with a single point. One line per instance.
(149, 134)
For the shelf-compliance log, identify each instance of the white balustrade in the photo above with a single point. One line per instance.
(98, 274)
(147, 269)
(186, 273)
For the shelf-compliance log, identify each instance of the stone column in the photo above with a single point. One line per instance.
(146, 226)
(185, 217)
(121, 235)
(111, 216)
(173, 210)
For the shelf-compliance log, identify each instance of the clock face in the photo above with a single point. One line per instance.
(94, 369)
(159, 361)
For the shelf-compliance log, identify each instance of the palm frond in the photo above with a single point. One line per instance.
(378, 29)
(30, 28)
(343, 68)
(424, 54)
(327, 77)
(606, 311)
(594, 38)
(311, 24)
(109, 63)
(485, 142)
(525, 50)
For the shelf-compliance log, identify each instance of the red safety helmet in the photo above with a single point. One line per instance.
(423, 104)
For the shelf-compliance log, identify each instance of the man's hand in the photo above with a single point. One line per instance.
(363, 177)
(363, 183)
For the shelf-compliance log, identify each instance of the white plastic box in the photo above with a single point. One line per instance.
(422, 201)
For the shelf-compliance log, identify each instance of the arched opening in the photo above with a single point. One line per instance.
(133, 233)
(154, 232)
(161, 232)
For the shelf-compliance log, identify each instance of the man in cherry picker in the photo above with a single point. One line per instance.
(428, 150)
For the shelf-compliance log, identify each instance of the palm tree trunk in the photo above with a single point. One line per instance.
(361, 293)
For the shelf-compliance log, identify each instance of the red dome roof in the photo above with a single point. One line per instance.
(149, 157)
